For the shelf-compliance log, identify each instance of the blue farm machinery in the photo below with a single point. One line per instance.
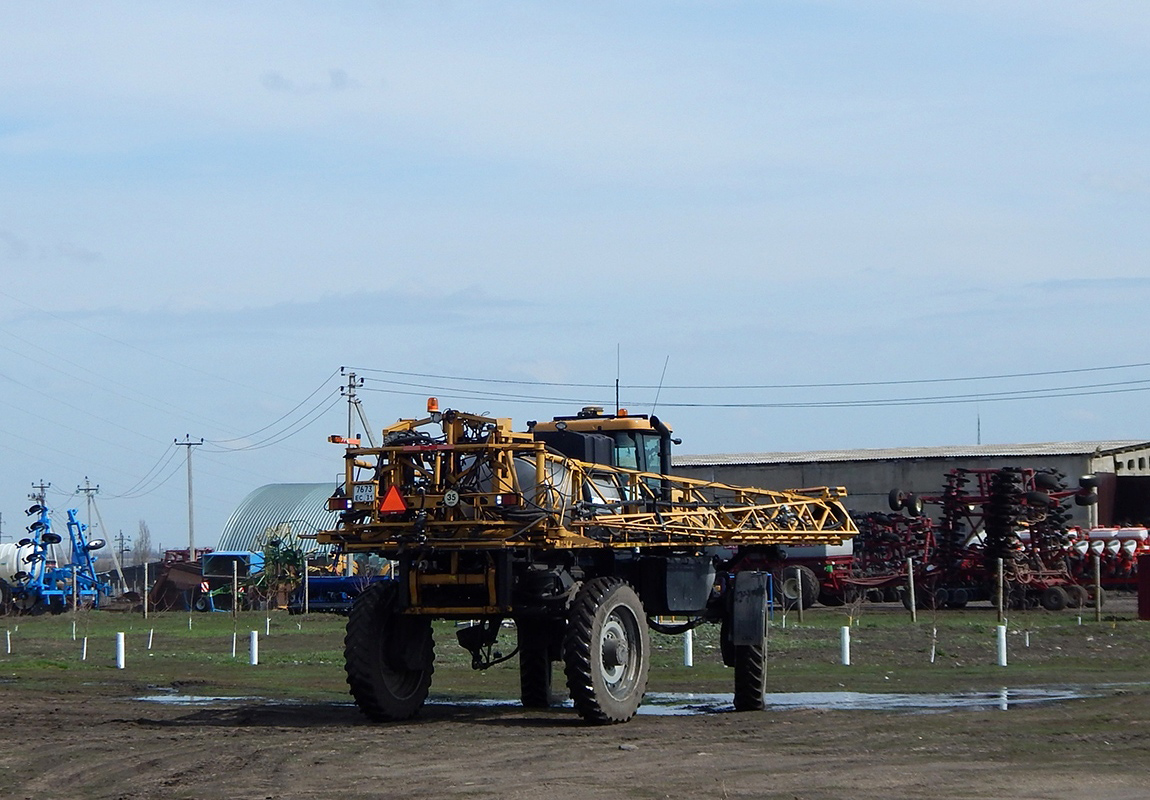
(47, 571)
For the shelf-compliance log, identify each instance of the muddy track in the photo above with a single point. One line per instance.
(130, 750)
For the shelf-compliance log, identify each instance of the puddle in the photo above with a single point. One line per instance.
(690, 703)
(204, 700)
(924, 703)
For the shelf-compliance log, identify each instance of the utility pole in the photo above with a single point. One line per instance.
(39, 495)
(188, 443)
(348, 391)
(88, 489)
(1, 526)
(353, 404)
(122, 543)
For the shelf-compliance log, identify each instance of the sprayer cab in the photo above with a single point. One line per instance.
(628, 441)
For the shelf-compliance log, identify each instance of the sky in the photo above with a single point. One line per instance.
(782, 226)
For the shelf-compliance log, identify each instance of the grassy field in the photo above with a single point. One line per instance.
(82, 734)
(302, 656)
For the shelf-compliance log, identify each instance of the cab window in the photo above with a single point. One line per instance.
(651, 454)
(626, 452)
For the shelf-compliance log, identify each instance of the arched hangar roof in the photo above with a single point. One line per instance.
(282, 510)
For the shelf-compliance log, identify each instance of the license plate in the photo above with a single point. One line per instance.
(363, 493)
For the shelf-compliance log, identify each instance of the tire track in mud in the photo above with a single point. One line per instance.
(120, 749)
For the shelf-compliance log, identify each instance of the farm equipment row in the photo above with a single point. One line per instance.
(1016, 517)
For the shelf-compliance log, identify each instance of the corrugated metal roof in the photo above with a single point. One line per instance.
(294, 508)
(907, 453)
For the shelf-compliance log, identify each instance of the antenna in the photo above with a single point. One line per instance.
(660, 389)
(617, 369)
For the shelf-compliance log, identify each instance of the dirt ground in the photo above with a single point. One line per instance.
(129, 750)
(92, 738)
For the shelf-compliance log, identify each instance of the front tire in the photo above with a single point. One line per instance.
(389, 657)
(750, 665)
(606, 651)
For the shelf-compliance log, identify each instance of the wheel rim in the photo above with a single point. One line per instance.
(618, 654)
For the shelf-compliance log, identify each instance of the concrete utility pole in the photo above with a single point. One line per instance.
(188, 443)
(353, 407)
(122, 543)
(88, 489)
(39, 495)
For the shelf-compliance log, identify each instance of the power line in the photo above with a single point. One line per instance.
(1117, 387)
(309, 417)
(282, 417)
(692, 387)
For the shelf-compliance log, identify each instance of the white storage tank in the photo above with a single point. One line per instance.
(12, 560)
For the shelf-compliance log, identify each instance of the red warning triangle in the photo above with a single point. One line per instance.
(393, 502)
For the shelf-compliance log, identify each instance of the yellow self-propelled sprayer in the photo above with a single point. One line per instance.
(575, 530)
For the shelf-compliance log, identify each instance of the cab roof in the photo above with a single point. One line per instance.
(592, 419)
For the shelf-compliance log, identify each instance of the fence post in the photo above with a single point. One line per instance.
(910, 589)
(1000, 594)
(799, 606)
(1097, 588)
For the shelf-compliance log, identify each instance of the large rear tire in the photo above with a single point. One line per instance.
(606, 651)
(389, 657)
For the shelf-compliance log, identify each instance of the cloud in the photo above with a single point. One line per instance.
(1093, 285)
(338, 80)
(73, 252)
(1126, 184)
(15, 248)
